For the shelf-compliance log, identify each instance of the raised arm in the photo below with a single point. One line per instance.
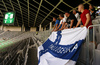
(63, 24)
(57, 27)
(53, 28)
(71, 24)
(78, 23)
(91, 11)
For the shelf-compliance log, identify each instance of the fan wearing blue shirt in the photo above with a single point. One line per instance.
(56, 23)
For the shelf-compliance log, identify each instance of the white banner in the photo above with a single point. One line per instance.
(62, 47)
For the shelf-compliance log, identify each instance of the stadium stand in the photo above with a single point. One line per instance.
(43, 35)
(97, 20)
(21, 40)
(14, 47)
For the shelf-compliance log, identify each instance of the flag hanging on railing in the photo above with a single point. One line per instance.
(62, 47)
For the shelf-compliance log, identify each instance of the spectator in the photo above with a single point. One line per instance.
(92, 11)
(98, 12)
(71, 20)
(76, 15)
(86, 19)
(62, 22)
(56, 23)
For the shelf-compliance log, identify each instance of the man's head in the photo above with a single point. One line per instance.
(90, 6)
(80, 7)
(67, 13)
(74, 11)
(61, 16)
(54, 18)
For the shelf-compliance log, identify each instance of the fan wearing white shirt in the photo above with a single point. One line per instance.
(76, 15)
(98, 12)
(62, 22)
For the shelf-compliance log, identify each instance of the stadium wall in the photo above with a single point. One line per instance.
(11, 28)
(15, 28)
(33, 29)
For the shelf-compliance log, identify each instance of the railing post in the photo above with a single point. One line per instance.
(2, 27)
(40, 28)
(87, 43)
(50, 25)
(87, 46)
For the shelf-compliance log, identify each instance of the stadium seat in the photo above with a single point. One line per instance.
(98, 37)
(96, 21)
(96, 57)
(98, 47)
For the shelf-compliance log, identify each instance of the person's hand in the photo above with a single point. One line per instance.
(89, 9)
(65, 23)
(69, 28)
(61, 22)
(81, 26)
(66, 28)
(74, 27)
(60, 29)
(55, 30)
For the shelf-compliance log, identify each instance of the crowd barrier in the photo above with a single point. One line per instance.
(95, 45)
(90, 51)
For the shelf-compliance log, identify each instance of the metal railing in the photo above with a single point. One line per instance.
(90, 61)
